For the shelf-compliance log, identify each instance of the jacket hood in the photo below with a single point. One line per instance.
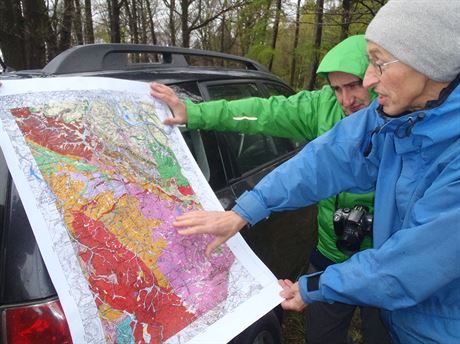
(349, 56)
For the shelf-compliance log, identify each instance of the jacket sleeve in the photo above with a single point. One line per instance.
(332, 163)
(295, 117)
(414, 264)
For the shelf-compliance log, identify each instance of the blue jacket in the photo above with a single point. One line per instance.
(413, 164)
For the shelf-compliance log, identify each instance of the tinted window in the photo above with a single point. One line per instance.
(195, 144)
(233, 91)
(278, 90)
(188, 90)
(202, 145)
(251, 151)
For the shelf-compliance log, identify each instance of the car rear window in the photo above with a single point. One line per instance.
(233, 91)
(278, 90)
(253, 151)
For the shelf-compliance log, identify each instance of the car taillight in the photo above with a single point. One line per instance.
(43, 323)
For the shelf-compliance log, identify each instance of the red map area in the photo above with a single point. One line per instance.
(42, 130)
(122, 281)
(185, 190)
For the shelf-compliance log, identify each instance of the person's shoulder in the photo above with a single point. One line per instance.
(326, 91)
(324, 95)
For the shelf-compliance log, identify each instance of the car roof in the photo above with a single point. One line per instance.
(148, 62)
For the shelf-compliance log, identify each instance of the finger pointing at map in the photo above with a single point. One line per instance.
(221, 224)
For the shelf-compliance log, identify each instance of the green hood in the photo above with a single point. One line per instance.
(349, 56)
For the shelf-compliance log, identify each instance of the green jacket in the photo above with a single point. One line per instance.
(305, 115)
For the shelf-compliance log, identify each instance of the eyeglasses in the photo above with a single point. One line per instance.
(379, 66)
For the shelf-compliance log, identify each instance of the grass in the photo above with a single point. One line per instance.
(293, 328)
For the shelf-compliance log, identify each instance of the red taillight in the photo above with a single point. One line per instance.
(43, 323)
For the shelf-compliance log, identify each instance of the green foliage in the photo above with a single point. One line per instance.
(260, 52)
(362, 13)
(101, 34)
(252, 23)
(246, 30)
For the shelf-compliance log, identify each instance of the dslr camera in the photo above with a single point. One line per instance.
(351, 226)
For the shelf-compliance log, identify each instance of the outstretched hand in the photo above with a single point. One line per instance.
(223, 225)
(176, 105)
(291, 294)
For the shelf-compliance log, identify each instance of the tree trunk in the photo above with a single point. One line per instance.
(35, 32)
(65, 33)
(152, 26)
(89, 32)
(52, 33)
(135, 31)
(77, 23)
(143, 23)
(346, 18)
(222, 35)
(114, 17)
(296, 43)
(12, 34)
(172, 22)
(184, 23)
(316, 43)
(275, 32)
(131, 23)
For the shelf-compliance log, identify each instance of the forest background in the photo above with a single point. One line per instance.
(290, 37)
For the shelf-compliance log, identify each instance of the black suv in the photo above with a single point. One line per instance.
(231, 162)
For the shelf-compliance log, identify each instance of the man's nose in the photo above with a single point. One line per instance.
(347, 97)
(370, 77)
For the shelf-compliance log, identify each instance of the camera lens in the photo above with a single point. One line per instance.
(349, 244)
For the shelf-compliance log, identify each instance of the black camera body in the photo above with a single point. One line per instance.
(351, 226)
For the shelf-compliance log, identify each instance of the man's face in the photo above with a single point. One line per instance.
(399, 87)
(349, 91)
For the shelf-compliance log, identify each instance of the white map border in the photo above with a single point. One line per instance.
(222, 330)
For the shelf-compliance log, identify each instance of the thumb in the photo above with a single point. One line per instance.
(214, 245)
(172, 121)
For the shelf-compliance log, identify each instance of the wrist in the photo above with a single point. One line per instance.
(238, 220)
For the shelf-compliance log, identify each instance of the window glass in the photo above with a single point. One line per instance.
(278, 90)
(203, 152)
(188, 90)
(251, 151)
(233, 91)
(195, 144)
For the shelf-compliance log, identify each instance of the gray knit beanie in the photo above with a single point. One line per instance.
(424, 34)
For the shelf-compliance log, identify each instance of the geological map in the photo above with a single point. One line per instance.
(102, 179)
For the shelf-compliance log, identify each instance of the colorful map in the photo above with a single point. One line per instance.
(108, 179)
